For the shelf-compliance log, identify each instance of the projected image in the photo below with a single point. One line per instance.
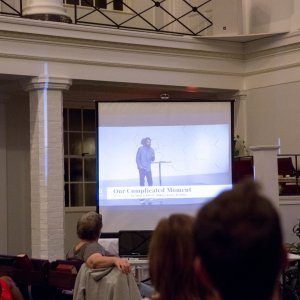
(140, 165)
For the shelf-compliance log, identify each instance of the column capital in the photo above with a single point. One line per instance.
(265, 148)
(50, 83)
(48, 10)
(241, 95)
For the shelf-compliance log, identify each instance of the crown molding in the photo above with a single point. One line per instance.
(51, 83)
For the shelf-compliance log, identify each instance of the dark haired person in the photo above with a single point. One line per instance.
(239, 245)
(88, 249)
(171, 259)
(144, 157)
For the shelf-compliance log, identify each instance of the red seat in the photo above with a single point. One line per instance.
(242, 168)
(286, 166)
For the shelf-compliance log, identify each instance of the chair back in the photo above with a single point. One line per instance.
(286, 166)
(242, 168)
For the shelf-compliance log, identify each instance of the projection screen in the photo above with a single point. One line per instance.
(158, 158)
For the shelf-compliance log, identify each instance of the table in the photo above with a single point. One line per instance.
(140, 268)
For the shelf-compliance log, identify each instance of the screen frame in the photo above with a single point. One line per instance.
(231, 101)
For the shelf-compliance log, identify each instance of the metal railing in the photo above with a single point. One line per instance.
(150, 15)
(138, 19)
(11, 10)
(288, 172)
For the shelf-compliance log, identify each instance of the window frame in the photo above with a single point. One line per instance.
(82, 156)
(112, 5)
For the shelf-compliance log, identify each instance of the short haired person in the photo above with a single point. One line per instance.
(171, 258)
(144, 157)
(89, 250)
(239, 244)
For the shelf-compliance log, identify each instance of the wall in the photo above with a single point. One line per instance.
(234, 17)
(227, 17)
(18, 179)
(3, 179)
(295, 18)
(269, 15)
(273, 112)
(71, 217)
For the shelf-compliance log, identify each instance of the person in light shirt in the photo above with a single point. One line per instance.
(89, 250)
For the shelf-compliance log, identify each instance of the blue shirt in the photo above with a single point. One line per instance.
(144, 157)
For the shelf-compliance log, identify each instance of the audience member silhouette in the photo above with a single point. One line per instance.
(171, 258)
(239, 244)
(89, 250)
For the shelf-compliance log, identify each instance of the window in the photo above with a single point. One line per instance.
(118, 5)
(101, 3)
(80, 157)
(115, 4)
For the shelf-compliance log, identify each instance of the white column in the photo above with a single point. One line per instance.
(3, 178)
(51, 10)
(46, 166)
(266, 170)
(245, 16)
(240, 115)
(295, 18)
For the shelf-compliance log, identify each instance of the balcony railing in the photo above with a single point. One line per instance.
(183, 17)
(288, 172)
(11, 9)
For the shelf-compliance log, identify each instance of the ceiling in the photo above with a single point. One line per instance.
(83, 93)
(89, 91)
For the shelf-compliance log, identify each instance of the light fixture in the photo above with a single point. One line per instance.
(164, 96)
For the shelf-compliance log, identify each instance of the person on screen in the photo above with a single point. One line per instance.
(89, 250)
(144, 157)
(239, 246)
(171, 259)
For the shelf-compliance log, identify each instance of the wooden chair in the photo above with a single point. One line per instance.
(62, 277)
(18, 268)
(7, 265)
(39, 279)
(288, 177)
(286, 166)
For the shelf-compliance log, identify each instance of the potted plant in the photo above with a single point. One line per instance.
(295, 247)
(239, 147)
